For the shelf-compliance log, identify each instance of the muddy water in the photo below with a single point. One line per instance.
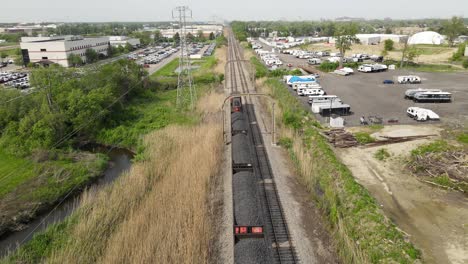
(120, 161)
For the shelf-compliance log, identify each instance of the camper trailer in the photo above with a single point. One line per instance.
(322, 98)
(409, 79)
(421, 114)
(409, 94)
(440, 97)
(314, 61)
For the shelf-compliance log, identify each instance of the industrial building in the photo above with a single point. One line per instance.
(57, 49)
(117, 41)
(375, 39)
(206, 29)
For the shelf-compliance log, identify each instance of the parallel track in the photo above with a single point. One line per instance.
(276, 228)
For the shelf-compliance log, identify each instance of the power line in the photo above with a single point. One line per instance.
(186, 93)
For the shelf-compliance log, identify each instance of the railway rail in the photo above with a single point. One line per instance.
(276, 239)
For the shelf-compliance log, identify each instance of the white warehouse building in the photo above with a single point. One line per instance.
(57, 49)
(375, 39)
(117, 41)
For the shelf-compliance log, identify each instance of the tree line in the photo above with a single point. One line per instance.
(64, 101)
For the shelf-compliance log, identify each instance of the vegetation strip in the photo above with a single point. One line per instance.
(362, 232)
(99, 217)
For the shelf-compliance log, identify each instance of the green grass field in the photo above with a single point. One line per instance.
(157, 108)
(13, 172)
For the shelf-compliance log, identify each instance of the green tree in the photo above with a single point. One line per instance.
(177, 38)
(453, 28)
(74, 60)
(3, 55)
(388, 30)
(190, 37)
(200, 36)
(212, 36)
(389, 45)
(19, 60)
(129, 47)
(412, 53)
(158, 37)
(91, 56)
(345, 37)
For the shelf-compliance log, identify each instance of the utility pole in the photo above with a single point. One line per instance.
(186, 94)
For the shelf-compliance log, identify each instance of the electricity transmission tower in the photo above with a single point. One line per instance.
(186, 93)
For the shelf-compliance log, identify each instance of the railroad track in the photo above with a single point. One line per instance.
(278, 244)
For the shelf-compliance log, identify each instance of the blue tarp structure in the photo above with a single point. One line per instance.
(296, 79)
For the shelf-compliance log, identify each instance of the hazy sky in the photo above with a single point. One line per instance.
(158, 10)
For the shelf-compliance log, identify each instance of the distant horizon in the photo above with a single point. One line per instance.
(104, 11)
(210, 21)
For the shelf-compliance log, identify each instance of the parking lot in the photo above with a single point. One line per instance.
(369, 97)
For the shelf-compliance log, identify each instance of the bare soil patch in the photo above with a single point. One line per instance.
(435, 219)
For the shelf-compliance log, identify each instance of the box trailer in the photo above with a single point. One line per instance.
(335, 108)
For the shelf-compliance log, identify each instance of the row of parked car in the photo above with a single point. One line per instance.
(5, 63)
(15, 79)
(156, 56)
(317, 57)
(209, 50)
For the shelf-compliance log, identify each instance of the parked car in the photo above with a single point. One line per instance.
(388, 82)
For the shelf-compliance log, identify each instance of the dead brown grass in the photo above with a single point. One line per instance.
(221, 55)
(159, 212)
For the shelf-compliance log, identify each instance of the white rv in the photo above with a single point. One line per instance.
(314, 61)
(421, 114)
(441, 97)
(409, 94)
(409, 79)
(322, 98)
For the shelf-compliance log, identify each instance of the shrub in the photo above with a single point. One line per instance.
(458, 55)
(382, 154)
(327, 66)
(364, 138)
(388, 45)
(465, 64)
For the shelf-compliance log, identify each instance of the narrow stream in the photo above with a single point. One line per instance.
(120, 161)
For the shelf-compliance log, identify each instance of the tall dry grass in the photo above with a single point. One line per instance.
(159, 212)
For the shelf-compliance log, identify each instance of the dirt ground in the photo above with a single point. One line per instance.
(435, 219)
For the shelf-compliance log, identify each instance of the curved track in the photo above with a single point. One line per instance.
(276, 246)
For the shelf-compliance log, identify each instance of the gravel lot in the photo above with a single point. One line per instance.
(368, 96)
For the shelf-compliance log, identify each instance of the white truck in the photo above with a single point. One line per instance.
(422, 114)
(309, 91)
(411, 79)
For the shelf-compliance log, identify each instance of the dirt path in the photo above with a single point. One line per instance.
(436, 219)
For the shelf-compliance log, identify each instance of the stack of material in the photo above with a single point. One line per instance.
(393, 140)
(340, 138)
